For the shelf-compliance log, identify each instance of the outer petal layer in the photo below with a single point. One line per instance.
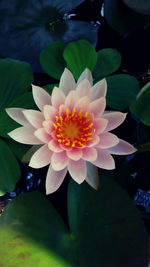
(58, 97)
(59, 161)
(41, 157)
(25, 135)
(123, 148)
(86, 74)
(108, 140)
(41, 97)
(99, 90)
(34, 117)
(17, 115)
(97, 107)
(114, 119)
(54, 179)
(104, 160)
(77, 170)
(84, 88)
(67, 82)
(92, 177)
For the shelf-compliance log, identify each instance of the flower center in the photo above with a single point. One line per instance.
(74, 129)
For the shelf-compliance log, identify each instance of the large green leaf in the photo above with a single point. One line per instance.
(33, 234)
(80, 55)
(9, 169)
(122, 91)
(107, 225)
(141, 6)
(141, 106)
(108, 61)
(6, 123)
(52, 61)
(15, 78)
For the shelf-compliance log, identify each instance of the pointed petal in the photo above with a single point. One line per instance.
(83, 104)
(41, 97)
(59, 161)
(75, 154)
(42, 135)
(99, 90)
(17, 115)
(25, 135)
(41, 157)
(48, 126)
(89, 154)
(77, 170)
(114, 119)
(122, 148)
(71, 99)
(54, 179)
(86, 74)
(99, 125)
(92, 177)
(67, 82)
(97, 107)
(108, 140)
(50, 112)
(34, 117)
(104, 160)
(58, 97)
(54, 146)
(84, 88)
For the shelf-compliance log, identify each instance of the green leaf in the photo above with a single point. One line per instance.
(33, 234)
(140, 6)
(52, 61)
(107, 225)
(108, 61)
(80, 55)
(6, 123)
(49, 87)
(16, 78)
(141, 106)
(18, 149)
(9, 169)
(122, 90)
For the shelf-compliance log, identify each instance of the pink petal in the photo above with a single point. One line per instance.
(99, 125)
(41, 97)
(67, 82)
(86, 74)
(114, 119)
(108, 140)
(97, 107)
(94, 141)
(89, 154)
(48, 126)
(54, 146)
(17, 115)
(58, 97)
(71, 99)
(122, 148)
(92, 177)
(42, 135)
(99, 90)
(50, 112)
(54, 179)
(41, 157)
(83, 104)
(77, 170)
(25, 135)
(75, 154)
(104, 160)
(59, 161)
(34, 117)
(84, 88)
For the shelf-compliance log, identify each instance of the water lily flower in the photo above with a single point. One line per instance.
(73, 129)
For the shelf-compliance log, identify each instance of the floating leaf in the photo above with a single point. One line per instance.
(140, 6)
(108, 61)
(52, 61)
(9, 169)
(122, 91)
(108, 226)
(80, 55)
(16, 78)
(141, 106)
(33, 234)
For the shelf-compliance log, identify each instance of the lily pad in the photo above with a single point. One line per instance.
(108, 61)
(80, 55)
(108, 226)
(33, 234)
(122, 91)
(15, 79)
(140, 107)
(140, 6)
(9, 169)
